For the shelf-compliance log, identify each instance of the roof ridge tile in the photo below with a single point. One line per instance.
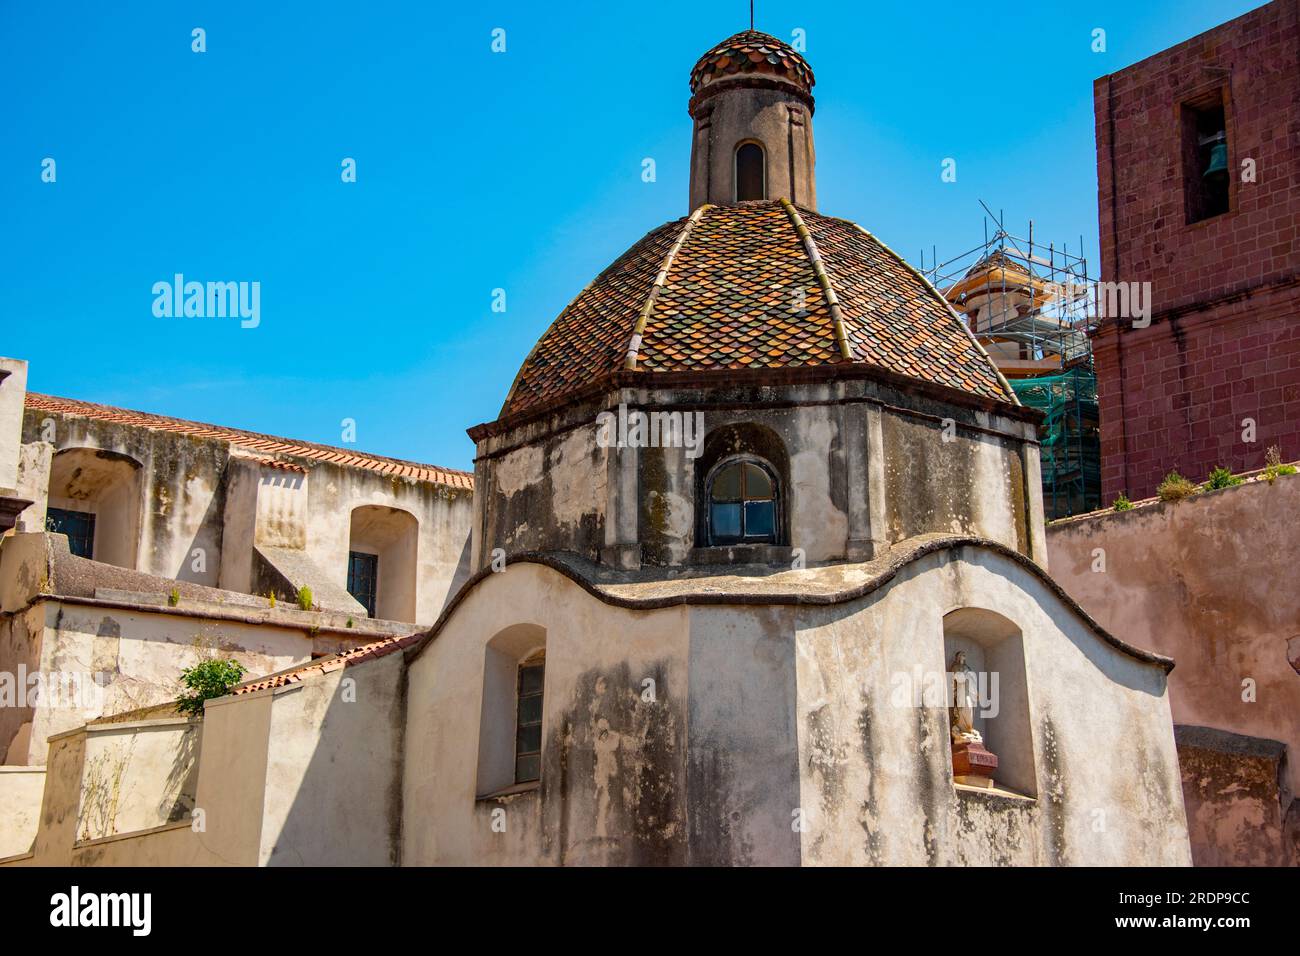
(634, 343)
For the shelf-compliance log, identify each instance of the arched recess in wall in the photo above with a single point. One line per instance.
(994, 649)
(383, 565)
(725, 487)
(750, 170)
(95, 499)
(512, 709)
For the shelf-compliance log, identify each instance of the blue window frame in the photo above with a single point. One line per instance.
(743, 503)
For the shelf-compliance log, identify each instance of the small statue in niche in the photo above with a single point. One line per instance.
(964, 697)
(972, 764)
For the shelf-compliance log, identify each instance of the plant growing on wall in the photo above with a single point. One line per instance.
(175, 597)
(206, 680)
(1220, 478)
(305, 598)
(1122, 503)
(1273, 465)
(1175, 488)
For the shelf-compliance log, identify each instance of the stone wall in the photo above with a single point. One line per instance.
(1224, 343)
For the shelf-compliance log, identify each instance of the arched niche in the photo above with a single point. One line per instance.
(383, 551)
(994, 646)
(94, 498)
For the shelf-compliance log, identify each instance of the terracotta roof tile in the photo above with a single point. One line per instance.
(325, 665)
(741, 292)
(263, 443)
(752, 52)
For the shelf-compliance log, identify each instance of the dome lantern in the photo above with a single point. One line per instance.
(752, 103)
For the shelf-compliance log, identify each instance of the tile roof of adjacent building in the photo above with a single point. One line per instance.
(265, 445)
(745, 287)
(324, 665)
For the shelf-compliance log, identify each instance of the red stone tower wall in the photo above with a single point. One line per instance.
(1223, 343)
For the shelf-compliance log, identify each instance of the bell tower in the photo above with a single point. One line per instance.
(752, 103)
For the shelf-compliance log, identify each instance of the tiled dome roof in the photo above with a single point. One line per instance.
(752, 52)
(758, 285)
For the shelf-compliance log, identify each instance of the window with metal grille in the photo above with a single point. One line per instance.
(363, 573)
(742, 503)
(79, 526)
(528, 722)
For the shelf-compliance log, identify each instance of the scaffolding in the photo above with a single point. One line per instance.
(1030, 306)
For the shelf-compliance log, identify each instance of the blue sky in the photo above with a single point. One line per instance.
(475, 171)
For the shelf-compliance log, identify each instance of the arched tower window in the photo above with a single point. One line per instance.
(751, 172)
(743, 502)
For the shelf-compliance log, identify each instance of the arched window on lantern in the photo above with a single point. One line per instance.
(743, 500)
(751, 172)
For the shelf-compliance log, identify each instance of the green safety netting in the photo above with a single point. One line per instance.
(1070, 448)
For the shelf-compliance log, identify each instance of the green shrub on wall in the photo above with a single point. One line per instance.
(1175, 488)
(206, 680)
(1220, 478)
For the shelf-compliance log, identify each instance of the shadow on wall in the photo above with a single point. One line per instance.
(333, 790)
(201, 562)
(182, 779)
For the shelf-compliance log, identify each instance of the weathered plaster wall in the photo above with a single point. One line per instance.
(869, 465)
(550, 494)
(21, 637)
(777, 120)
(137, 775)
(743, 756)
(442, 542)
(20, 796)
(333, 769)
(972, 484)
(202, 507)
(57, 841)
(1209, 581)
(774, 737)
(275, 778)
(34, 463)
(876, 777)
(614, 782)
(13, 387)
(126, 659)
(179, 497)
(1231, 788)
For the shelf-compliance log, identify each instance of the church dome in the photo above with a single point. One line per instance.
(747, 287)
(752, 53)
